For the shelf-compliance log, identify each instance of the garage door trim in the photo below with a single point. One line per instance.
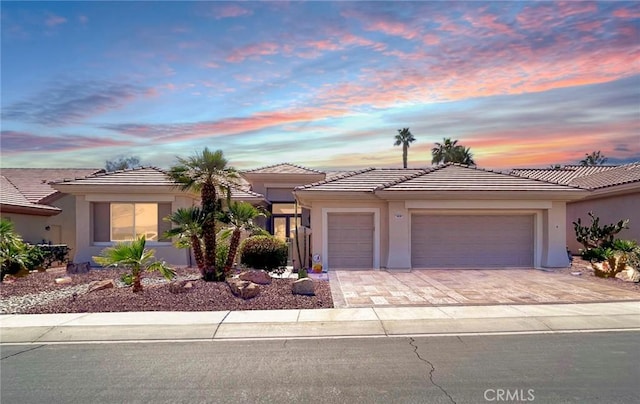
(376, 232)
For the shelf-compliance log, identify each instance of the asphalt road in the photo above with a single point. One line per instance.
(558, 368)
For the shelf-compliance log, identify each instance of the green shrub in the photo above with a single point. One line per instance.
(222, 250)
(36, 257)
(264, 252)
(127, 279)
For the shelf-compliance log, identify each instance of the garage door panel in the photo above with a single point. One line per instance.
(350, 240)
(471, 241)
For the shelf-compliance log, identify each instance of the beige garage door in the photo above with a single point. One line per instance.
(350, 240)
(470, 241)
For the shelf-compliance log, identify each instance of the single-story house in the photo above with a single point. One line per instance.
(449, 216)
(614, 195)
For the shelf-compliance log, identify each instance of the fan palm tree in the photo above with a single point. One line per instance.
(188, 224)
(240, 216)
(14, 253)
(449, 151)
(133, 255)
(596, 158)
(206, 172)
(404, 138)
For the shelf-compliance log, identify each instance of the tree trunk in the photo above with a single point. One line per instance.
(233, 249)
(197, 253)
(209, 198)
(404, 155)
(137, 282)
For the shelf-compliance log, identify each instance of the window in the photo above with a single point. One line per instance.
(124, 221)
(285, 209)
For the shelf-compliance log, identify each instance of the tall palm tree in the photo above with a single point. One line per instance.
(449, 151)
(188, 224)
(240, 216)
(404, 138)
(133, 255)
(206, 172)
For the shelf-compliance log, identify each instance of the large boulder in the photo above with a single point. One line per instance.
(80, 268)
(100, 285)
(243, 289)
(304, 286)
(260, 277)
(629, 274)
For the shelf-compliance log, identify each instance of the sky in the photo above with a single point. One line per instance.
(325, 85)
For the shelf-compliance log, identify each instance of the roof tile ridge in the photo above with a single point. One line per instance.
(336, 178)
(421, 172)
(263, 167)
(305, 168)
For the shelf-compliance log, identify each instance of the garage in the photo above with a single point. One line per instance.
(350, 240)
(472, 241)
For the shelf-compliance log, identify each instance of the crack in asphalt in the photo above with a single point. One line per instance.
(23, 351)
(431, 371)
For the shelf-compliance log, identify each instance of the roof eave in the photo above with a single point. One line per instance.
(569, 195)
(30, 210)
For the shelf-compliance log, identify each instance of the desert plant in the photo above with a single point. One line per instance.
(594, 235)
(264, 252)
(36, 257)
(188, 224)
(626, 251)
(222, 252)
(239, 216)
(133, 256)
(14, 253)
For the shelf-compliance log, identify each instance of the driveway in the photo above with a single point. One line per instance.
(438, 287)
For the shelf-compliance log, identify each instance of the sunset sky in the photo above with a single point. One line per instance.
(321, 84)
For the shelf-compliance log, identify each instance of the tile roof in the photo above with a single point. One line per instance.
(625, 174)
(456, 177)
(447, 177)
(33, 183)
(563, 175)
(366, 180)
(146, 176)
(283, 168)
(10, 196)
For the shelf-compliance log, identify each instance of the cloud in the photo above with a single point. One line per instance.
(253, 51)
(55, 20)
(230, 11)
(73, 102)
(14, 142)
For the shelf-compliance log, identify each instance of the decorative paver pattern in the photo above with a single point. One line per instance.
(468, 287)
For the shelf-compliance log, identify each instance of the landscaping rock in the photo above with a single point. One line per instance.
(602, 270)
(304, 286)
(81, 268)
(260, 277)
(629, 274)
(180, 286)
(63, 281)
(100, 285)
(243, 289)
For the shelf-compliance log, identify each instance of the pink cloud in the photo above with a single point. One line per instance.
(55, 20)
(431, 39)
(253, 50)
(231, 11)
(626, 13)
(383, 23)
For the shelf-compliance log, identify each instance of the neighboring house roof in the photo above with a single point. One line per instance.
(33, 183)
(625, 174)
(562, 175)
(283, 168)
(587, 177)
(145, 177)
(27, 190)
(447, 177)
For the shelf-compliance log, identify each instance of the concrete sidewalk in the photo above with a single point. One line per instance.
(382, 322)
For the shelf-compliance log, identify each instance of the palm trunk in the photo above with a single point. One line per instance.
(209, 198)
(404, 156)
(137, 282)
(197, 253)
(233, 249)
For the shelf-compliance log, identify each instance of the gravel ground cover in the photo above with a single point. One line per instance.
(38, 293)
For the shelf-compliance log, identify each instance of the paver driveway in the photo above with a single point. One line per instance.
(469, 287)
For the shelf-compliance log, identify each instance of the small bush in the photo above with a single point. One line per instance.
(222, 250)
(263, 252)
(36, 257)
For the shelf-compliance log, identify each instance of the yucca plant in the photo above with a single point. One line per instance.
(133, 256)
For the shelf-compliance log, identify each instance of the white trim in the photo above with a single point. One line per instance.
(477, 204)
(376, 232)
(130, 198)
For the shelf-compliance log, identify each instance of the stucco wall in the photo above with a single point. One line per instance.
(609, 210)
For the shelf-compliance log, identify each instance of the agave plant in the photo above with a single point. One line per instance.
(133, 255)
